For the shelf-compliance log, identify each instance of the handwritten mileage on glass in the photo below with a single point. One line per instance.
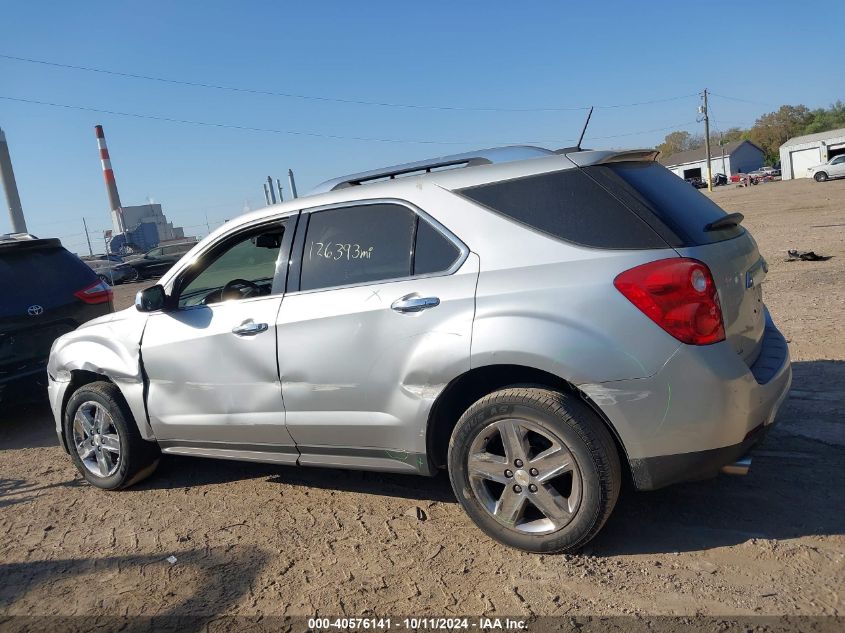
(334, 251)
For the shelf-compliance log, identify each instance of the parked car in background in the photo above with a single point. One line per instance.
(764, 173)
(698, 183)
(157, 261)
(111, 268)
(719, 180)
(834, 168)
(46, 291)
(540, 324)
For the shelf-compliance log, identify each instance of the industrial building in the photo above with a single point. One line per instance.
(150, 214)
(801, 152)
(729, 159)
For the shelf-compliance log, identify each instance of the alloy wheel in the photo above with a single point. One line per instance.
(96, 439)
(524, 476)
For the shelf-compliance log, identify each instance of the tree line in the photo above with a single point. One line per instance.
(769, 132)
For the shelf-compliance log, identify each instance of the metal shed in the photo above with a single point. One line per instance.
(801, 152)
(729, 159)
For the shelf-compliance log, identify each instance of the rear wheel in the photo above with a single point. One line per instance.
(820, 176)
(104, 441)
(535, 469)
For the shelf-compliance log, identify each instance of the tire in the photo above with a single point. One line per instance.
(568, 432)
(135, 459)
(133, 276)
(105, 279)
(820, 176)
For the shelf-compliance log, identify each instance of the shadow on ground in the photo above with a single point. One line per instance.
(219, 580)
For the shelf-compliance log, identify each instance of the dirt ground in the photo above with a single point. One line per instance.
(272, 540)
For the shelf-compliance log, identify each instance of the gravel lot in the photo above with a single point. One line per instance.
(273, 540)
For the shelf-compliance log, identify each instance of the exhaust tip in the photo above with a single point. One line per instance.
(739, 467)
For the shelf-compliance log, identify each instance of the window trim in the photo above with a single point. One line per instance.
(298, 250)
(280, 270)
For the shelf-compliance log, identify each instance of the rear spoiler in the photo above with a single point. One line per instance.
(15, 244)
(602, 157)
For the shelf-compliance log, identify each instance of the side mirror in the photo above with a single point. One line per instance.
(150, 299)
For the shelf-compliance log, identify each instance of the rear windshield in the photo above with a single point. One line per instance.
(46, 276)
(649, 188)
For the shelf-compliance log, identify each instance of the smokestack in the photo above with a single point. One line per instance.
(270, 188)
(279, 185)
(292, 183)
(7, 178)
(108, 175)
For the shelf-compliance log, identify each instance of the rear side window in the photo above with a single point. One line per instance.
(568, 205)
(357, 245)
(433, 253)
(649, 188)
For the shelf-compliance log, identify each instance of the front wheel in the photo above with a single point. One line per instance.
(535, 469)
(105, 279)
(820, 176)
(103, 440)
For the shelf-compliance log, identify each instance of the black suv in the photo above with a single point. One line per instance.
(47, 291)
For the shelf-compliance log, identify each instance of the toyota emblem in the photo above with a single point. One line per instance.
(35, 310)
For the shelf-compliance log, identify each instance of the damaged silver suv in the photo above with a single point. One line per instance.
(541, 324)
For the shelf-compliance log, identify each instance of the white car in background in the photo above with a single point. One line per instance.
(834, 168)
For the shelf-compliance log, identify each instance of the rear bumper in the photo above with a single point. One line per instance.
(704, 409)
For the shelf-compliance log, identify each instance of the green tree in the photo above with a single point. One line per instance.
(825, 119)
(772, 130)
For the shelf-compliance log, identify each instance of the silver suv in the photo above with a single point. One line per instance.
(541, 324)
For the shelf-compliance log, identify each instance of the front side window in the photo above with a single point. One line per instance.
(242, 269)
(356, 245)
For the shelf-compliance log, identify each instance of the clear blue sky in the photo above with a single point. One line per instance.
(517, 55)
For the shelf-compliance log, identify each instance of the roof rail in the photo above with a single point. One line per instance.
(469, 159)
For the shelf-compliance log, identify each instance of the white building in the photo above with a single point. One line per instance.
(801, 152)
(728, 159)
(151, 213)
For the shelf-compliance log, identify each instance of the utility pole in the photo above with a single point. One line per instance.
(703, 110)
(88, 238)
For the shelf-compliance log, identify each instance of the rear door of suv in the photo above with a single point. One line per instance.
(376, 320)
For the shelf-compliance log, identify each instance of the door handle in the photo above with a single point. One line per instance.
(248, 328)
(413, 303)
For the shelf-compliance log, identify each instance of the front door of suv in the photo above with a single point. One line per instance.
(211, 357)
(376, 321)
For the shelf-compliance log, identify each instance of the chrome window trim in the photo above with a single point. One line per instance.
(438, 226)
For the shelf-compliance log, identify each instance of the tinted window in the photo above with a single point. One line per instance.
(653, 189)
(433, 253)
(355, 245)
(46, 276)
(251, 260)
(568, 205)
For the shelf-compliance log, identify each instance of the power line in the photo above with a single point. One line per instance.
(289, 95)
(317, 134)
(713, 94)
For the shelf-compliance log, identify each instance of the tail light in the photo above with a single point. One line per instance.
(679, 295)
(99, 292)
